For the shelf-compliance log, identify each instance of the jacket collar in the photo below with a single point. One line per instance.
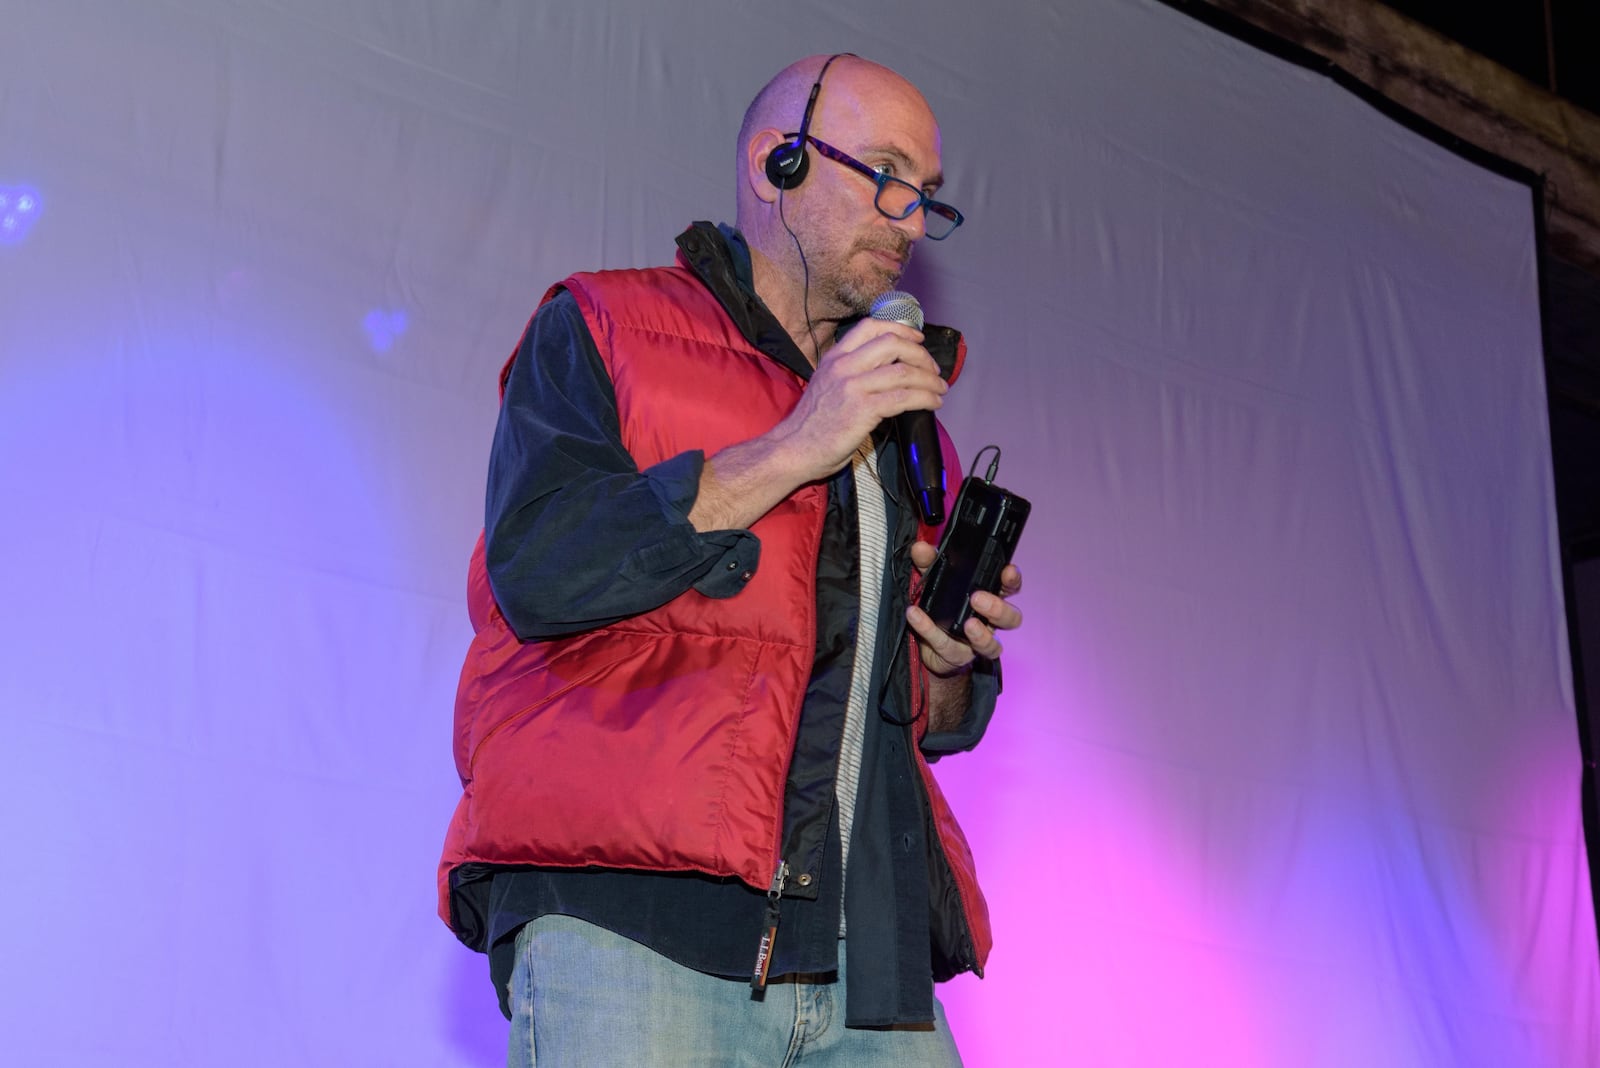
(718, 256)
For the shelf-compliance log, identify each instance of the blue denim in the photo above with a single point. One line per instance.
(582, 997)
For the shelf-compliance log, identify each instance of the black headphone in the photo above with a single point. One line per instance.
(788, 163)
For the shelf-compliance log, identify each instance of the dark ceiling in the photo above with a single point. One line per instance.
(1561, 52)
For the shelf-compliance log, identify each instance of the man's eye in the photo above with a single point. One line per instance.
(884, 168)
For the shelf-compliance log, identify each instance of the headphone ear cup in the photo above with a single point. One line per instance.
(787, 165)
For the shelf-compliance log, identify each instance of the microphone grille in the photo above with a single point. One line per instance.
(897, 307)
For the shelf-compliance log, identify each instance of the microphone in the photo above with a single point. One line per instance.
(918, 434)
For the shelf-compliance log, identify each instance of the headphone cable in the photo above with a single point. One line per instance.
(805, 274)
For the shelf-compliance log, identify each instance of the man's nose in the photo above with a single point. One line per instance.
(914, 226)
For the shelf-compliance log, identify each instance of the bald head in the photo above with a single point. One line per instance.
(852, 88)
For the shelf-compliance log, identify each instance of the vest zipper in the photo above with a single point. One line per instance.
(769, 928)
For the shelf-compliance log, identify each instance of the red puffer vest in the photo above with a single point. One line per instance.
(660, 743)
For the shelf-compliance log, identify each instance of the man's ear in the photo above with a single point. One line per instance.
(762, 145)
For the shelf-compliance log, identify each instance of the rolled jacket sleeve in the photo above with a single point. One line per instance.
(980, 709)
(578, 536)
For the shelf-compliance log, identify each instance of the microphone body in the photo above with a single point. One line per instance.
(917, 434)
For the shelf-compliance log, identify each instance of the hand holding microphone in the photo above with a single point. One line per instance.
(916, 431)
(875, 371)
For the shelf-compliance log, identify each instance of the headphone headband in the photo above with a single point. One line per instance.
(788, 163)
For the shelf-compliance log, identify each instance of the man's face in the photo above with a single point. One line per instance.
(854, 252)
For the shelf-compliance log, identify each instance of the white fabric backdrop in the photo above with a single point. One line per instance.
(1286, 772)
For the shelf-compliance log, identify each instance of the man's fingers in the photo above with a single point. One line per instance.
(997, 611)
(981, 638)
(882, 349)
(869, 329)
(956, 655)
(1010, 581)
(894, 402)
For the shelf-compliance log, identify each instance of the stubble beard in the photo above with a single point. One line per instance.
(857, 290)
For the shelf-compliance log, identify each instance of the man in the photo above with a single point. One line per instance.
(691, 728)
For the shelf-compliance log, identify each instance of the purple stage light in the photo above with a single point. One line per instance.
(19, 209)
(383, 327)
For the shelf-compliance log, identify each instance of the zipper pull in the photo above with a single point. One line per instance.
(769, 928)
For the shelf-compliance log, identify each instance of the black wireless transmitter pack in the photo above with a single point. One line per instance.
(982, 533)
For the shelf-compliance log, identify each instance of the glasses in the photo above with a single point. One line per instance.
(896, 199)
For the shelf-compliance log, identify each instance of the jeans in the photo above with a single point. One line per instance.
(582, 997)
